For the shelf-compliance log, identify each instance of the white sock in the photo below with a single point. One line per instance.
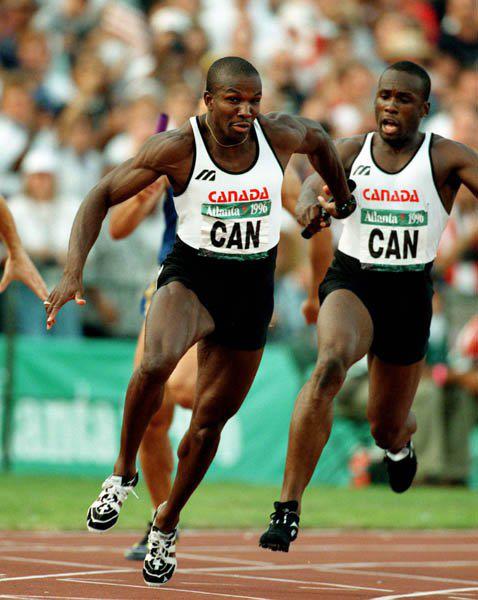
(400, 455)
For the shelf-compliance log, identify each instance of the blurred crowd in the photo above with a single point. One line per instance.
(82, 83)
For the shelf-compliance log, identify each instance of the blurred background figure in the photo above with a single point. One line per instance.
(43, 219)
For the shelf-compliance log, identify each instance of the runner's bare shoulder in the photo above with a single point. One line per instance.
(287, 132)
(449, 153)
(168, 152)
(349, 148)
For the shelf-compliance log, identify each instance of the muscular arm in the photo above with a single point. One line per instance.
(18, 265)
(126, 216)
(8, 231)
(319, 247)
(467, 167)
(325, 159)
(117, 186)
(454, 164)
(307, 208)
(159, 155)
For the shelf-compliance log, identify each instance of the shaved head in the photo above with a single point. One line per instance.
(223, 70)
(406, 66)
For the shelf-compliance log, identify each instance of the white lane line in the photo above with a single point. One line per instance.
(74, 548)
(377, 547)
(413, 563)
(54, 575)
(282, 580)
(270, 567)
(206, 583)
(423, 594)
(169, 589)
(399, 575)
(318, 588)
(55, 597)
(222, 559)
(46, 561)
(330, 566)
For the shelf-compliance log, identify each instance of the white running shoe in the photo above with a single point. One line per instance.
(104, 512)
(160, 562)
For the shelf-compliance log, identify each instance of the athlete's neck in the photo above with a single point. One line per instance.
(402, 145)
(223, 143)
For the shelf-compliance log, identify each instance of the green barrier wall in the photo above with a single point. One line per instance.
(67, 408)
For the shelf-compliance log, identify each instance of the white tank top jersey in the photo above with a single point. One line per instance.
(399, 217)
(232, 215)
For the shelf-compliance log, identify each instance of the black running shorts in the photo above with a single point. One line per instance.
(399, 303)
(238, 294)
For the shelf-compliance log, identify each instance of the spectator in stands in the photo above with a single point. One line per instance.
(15, 17)
(17, 130)
(458, 29)
(81, 163)
(43, 220)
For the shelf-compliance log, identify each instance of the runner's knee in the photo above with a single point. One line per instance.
(206, 429)
(328, 376)
(159, 367)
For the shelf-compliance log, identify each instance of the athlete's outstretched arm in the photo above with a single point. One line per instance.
(327, 162)
(319, 247)
(314, 188)
(155, 158)
(18, 264)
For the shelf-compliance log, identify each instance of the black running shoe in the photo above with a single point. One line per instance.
(283, 527)
(401, 469)
(139, 550)
(104, 512)
(160, 562)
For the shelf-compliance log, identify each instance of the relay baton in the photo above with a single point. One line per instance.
(309, 231)
(162, 123)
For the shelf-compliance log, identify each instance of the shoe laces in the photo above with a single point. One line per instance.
(162, 547)
(114, 493)
(281, 516)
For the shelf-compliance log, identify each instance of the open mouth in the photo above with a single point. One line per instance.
(390, 126)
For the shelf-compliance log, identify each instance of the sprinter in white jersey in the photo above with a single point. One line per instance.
(376, 296)
(215, 287)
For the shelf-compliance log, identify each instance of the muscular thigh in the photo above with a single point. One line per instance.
(182, 382)
(176, 320)
(344, 326)
(225, 376)
(392, 389)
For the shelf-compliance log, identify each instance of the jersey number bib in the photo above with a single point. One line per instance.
(392, 240)
(236, 228)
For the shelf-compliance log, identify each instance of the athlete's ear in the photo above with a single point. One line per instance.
(208, 98)
(425, 109)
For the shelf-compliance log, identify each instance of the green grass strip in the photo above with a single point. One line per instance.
(60, 503)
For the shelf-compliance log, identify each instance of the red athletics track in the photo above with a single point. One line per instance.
(220, 565)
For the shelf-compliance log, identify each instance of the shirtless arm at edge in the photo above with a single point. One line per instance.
(18, 264)
(319, 246)
(297, 135)
(311, 198)
(126, 217)
(454, 164)
(158, 156)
